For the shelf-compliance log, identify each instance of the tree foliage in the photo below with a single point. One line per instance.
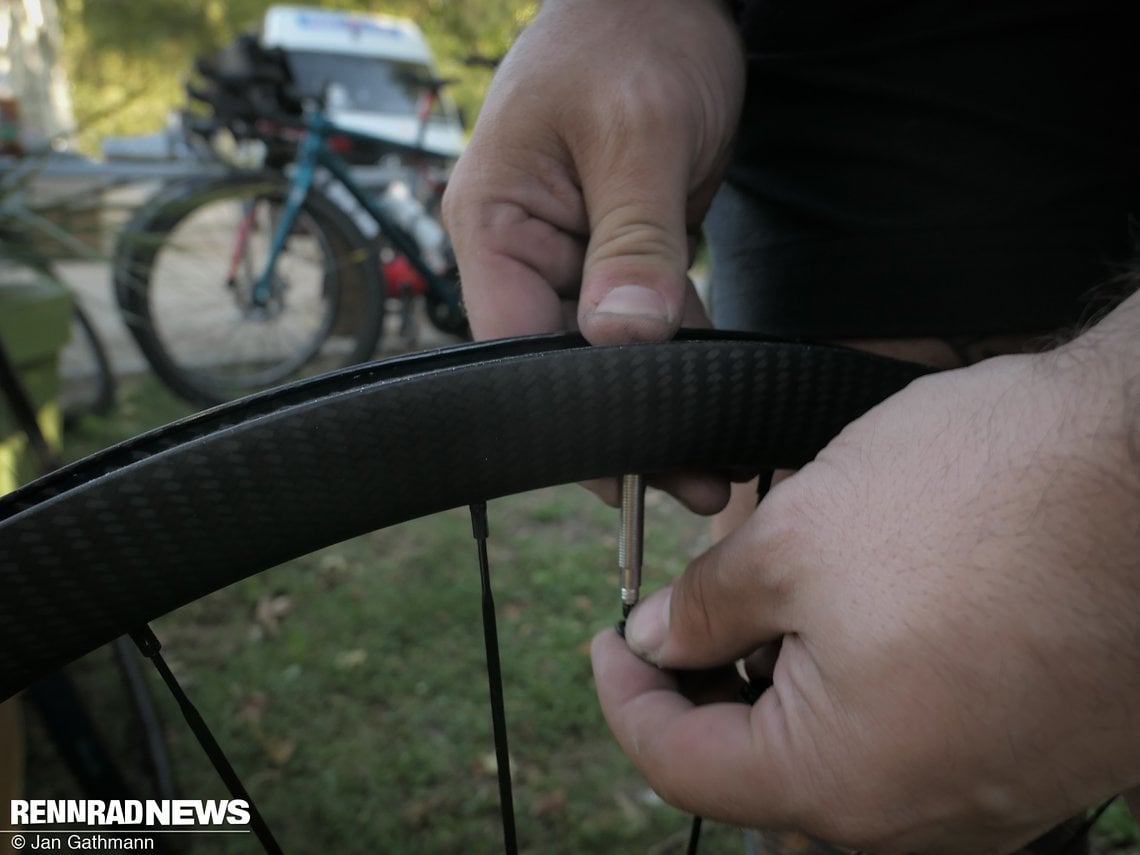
(127, 60)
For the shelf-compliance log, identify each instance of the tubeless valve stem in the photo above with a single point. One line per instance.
(630, 536)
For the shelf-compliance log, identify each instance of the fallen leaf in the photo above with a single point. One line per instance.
(270, 610)
(551, 805)
(278, 750)
(332, 570)
(253, 710)
(347, 659)
(416, 813)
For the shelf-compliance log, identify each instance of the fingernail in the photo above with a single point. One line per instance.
(634, 300)
(648, 625)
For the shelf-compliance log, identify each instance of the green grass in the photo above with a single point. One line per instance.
(348, 687)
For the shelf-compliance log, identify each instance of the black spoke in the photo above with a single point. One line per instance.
(694, 836)
(495, 682)
(150, 647)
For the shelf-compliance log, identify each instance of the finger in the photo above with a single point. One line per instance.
(634, 282)
(723, 607)
(504, 297)
(702, 493)
(516, 270)
(722, 761)
(518, 239)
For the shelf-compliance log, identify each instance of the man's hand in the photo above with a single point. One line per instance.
(956, 583)
(597, 153)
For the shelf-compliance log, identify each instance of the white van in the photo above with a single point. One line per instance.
(375, 61)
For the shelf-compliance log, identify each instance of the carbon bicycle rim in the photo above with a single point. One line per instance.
(102, 546)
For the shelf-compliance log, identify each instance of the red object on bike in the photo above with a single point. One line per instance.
(340, 143)
(402, 279)
(10, 128)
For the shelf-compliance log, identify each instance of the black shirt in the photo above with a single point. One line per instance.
(924, 168)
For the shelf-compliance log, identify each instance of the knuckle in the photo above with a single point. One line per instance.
(634, 232)
(785, 526)
(647, 103)
(450, 206)
(692, 610)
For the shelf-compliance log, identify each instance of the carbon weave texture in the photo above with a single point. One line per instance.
(133, 533)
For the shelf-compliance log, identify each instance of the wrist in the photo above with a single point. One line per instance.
(1100, 372)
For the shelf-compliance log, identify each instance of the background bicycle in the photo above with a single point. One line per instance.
(33, 241)
(30, 245)
(242, 282)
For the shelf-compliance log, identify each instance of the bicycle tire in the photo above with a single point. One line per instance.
(104, 545)
(90, 395)
(202, 346)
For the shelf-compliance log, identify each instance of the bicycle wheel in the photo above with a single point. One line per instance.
(185, 270)
(104, 545)
(87, 382)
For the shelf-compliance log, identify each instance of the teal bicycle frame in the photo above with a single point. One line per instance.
(314, 153)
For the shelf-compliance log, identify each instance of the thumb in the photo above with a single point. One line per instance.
(634, 280)
(723, 607)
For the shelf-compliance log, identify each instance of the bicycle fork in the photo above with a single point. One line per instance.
(244, 231)
(301, 184)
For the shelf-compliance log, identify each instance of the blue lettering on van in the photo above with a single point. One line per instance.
(352, 23)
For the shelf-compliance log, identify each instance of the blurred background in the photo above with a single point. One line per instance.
(116, 67)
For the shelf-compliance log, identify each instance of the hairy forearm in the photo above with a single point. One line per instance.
(1122, 341)
(1101, 368)
(1093, 383)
